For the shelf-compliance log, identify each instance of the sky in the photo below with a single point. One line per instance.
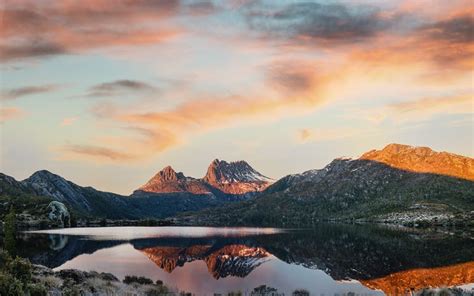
(107, 93)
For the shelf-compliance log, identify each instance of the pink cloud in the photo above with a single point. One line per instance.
(7, 114)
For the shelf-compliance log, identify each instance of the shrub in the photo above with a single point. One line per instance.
(37, 289)
(5, 259)
(20, 269)
(10, 285)
(157, 291)
(10, 232)
(130, 279)
(300, 292)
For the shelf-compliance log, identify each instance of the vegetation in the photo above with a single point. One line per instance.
(16, 277)
(131, 279)
(10, 232)
(301, 292)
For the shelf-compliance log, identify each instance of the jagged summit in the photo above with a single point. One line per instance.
(226, 177)
(169, 181)
(236, 177)
(237, 171)
(423, 160)
(168, 174)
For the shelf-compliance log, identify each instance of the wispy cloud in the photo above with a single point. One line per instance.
(161, 130)
(458, 29)
(118, 87)
(96, 152)
(428, 104)
(317, 23)
(69, 121)
(16, 93)
(10, 113)
(32, 29)
(305, 135)
(420, 109)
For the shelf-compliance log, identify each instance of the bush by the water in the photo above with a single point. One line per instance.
(131, 279)
(16, 277)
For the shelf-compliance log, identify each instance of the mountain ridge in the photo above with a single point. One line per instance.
(360, 188)
(370, 187)
(423, 160)
(221, 178)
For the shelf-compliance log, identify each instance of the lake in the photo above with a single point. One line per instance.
(328, 259)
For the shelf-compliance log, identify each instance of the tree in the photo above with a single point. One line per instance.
(10, 232)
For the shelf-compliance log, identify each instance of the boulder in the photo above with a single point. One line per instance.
(59, 214)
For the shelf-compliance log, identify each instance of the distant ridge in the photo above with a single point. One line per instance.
(398, 184)
(423, 160)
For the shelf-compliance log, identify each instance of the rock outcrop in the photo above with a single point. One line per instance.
(59, 214)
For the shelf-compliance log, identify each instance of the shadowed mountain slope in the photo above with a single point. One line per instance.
(354, 189)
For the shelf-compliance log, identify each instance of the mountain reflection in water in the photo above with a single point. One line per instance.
(323, 259)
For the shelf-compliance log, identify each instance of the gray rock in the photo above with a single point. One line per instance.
(58, 213)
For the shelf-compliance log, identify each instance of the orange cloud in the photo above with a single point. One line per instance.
(10, 113)
(69, 120)
(161, 130)
(429, 104)
(96, 152)
(420, 109)
(356, 61)
(31, 28)
(326, 134)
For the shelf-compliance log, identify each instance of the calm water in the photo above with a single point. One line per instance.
(329, 259)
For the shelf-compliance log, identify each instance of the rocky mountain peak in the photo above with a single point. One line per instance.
(231, 172)
(236, 177)
(168, 181)
(45, 183)
(222, 177)
(44, 174)
(45, 177)
(423, 160)
(168, 174)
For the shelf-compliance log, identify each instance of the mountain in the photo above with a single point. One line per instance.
(21, 197)
(235, 177)
(34, 193)
(168, 181)
(360, 189)
(423, 160)
(223, 179)
(85, 201)
(45, 183)
(396, 184)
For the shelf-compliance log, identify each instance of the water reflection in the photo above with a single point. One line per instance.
(325, 259)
